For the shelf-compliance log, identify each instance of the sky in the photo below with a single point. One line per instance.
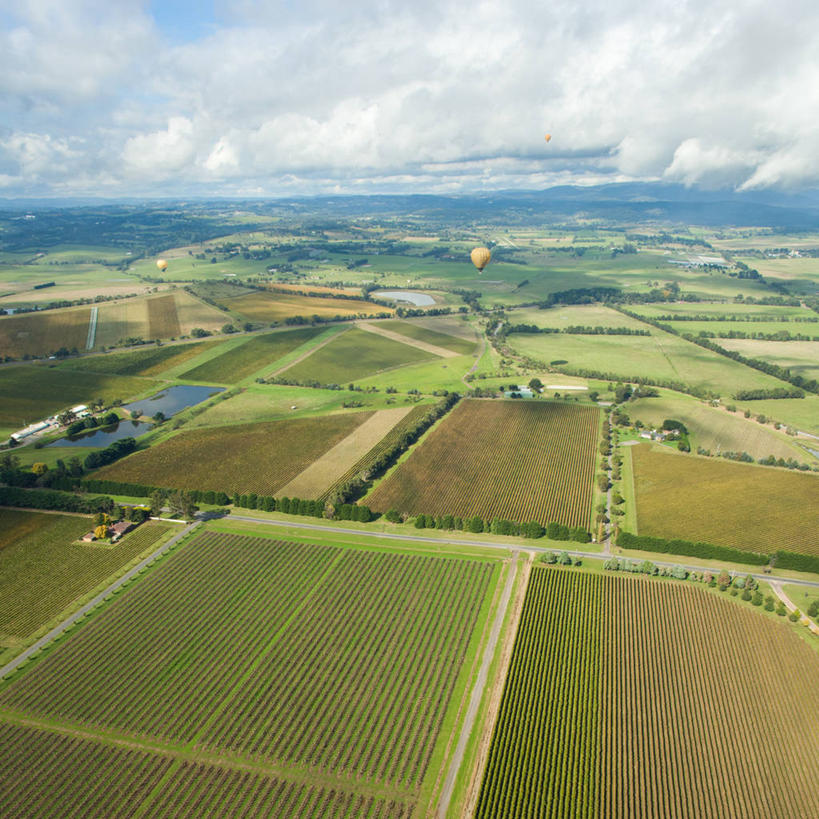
(298, 97)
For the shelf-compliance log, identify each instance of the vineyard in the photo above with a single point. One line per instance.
(150, 361)
(261, 457)
(277, 306)
(334, 660)
(462, 346)
(618, 704)
(43, 569)
(755, 508)
(512, 460)
(37, 334)
(408, 422)
(239, 362)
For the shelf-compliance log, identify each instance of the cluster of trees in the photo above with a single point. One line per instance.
(572, 329)
(561, 559)
(707, 551)
(497, 526)
(782, 335)
(113, 452)
(54, 500)
(761, 395)
(301, 506)
(92, 422)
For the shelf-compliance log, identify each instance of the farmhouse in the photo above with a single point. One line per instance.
(88, 537)
(119, 529)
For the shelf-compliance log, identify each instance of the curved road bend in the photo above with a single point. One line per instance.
(80, 613)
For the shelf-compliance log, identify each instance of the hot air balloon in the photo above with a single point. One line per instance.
(548, 137)
(480, 257)
(162, 264)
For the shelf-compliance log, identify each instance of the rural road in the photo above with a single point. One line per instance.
(477, 690)
(80, 613)
(776, 586)
(767, 578)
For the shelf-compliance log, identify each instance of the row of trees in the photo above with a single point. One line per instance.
(497, 526)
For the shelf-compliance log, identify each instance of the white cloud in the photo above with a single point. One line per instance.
(429, 96)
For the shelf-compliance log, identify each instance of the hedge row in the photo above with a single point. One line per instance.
(799, 563)
(553, 531)
(53, 500)
(706, 551)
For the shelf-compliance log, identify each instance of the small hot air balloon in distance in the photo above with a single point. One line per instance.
(548, 137)
(480, 257)
(162, 264)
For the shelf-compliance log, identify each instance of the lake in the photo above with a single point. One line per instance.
(103, 436)
(418, 299)
(172, 400)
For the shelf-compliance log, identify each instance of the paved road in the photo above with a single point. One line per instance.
(55, 632)
(507, 547)
(776, 585)
(477, 691)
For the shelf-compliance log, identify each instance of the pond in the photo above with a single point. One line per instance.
(418, 299)
(103, 436)
(172, 400)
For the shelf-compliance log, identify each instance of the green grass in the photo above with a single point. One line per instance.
(31, 393)
(802, 413)
(419, 333)
(257, 352)
(353, 355)
(800, 357)
(755, 508)
(243, 458)
(42, 569)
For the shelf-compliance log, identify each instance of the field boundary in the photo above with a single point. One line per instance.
(408, 340)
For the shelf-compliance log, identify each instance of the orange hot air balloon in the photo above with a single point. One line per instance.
(548, 137)
(480, 257)
(162, 264)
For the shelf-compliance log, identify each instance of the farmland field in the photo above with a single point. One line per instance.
(39, 334)
(512, 460)
(354, 354)
(30, 393)
(755, 508)
(43, 569)
(800, 357)
(418, 332)
(333, 665)
(242, 458)
(274, 306)
(615, 705)
(147, 362)
(260, 351)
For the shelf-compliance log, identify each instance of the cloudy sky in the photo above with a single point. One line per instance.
(285, 97)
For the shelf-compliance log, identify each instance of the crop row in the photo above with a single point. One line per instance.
(49, 775)
(501, 459)
(196, 790)
(543, 754)
(163, 656)
(363, 683)
(44, 570)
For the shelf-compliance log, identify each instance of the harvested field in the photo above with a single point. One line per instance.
(406, 423)
(150, 361)
(355, 354)
(283, 667)
(511, 460)
(326, 470)
(615, 705)
(243, 458)
(30, 393)
(259, 351)
(270, 306)
(43, 569)
(411, 329)
(40, 334)
(755, 508)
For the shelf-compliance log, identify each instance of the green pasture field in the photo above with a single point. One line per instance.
(744, 506)
(459, 325)
(513, 460)
(250, 356)
(660, 356)
(759, 311)
(32, 392)
(587, 315)
(800, 357)
(584, 676)
(714, 428)
(425, 334)
(802, 597)
(271, 306)
(42, 333)
(789, 269)
(436, 374)
(149, 361)
(43, 568)
(273, 402)
(241, 458)
(365, 658)
(352, 355)
(802, 413)
(184, 268)
(721, 329)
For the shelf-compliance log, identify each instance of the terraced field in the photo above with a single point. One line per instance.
(241, 458)
(355, 354)
(615, 705)
(43, 569)
(755, 508)
(239, 362)
(303, 679)
(512, 460)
